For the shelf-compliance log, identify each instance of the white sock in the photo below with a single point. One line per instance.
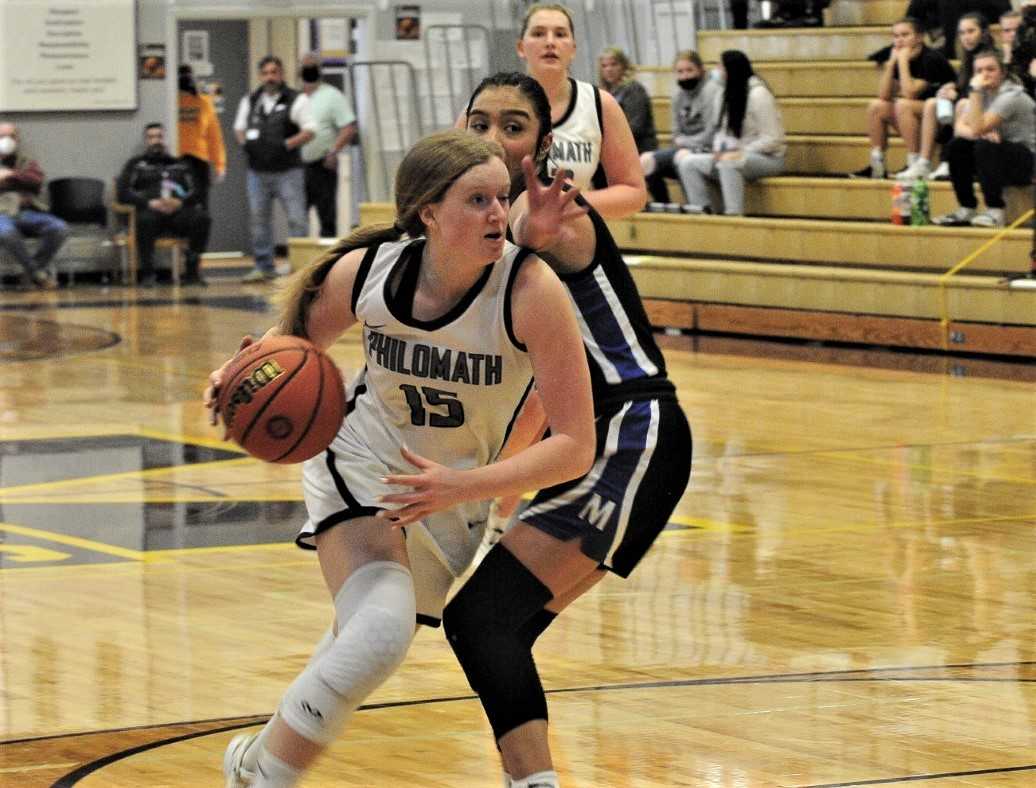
(507, 780)
(272, 772)
(877, 153)
(911, 158)
(548, 779)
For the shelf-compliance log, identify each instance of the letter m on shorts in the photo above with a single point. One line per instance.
(597, 513)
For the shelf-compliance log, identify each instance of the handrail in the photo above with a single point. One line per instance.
(944, 309)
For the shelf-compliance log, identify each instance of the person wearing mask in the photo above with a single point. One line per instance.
(167, 202)
(994, 139)
(912, 73)
(748, 144)
(200, 137)
(335, 129)
(694, 106)
(23, 212)
(615, 75)
(273, 123)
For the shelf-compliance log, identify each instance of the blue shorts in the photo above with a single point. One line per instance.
(620, 506)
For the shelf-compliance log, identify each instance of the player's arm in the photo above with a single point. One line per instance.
(625, 193)
(545, 324)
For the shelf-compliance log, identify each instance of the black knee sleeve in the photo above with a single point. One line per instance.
(484, 624)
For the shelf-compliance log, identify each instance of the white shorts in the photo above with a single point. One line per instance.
(344, 483)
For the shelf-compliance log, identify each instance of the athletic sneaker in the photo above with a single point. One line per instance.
(959, 218)
(876, 169)
(920, 169)
(991, 217)
(941, 173)
(236, 775)
(256, 276)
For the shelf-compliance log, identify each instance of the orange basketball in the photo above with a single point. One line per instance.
(282, 400)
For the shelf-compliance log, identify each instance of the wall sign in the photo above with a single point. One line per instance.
(68, 55)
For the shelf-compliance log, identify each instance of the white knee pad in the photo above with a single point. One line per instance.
(369, 647)
(647, 163)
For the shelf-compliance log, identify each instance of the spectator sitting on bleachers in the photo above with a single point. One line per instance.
(1023, 49)
(693, 109)
(615, 75)
(974, 36)
(24, 213)
(748, 143)
(995, 139)
(1009, 24)
(163, 190)
(912, 74)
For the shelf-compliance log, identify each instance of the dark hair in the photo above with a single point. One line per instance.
(271, 59)
(424, 176)
(153, 125)
(967, 58)
(913, 22)
(993, 53)
(528, 87)
(735, 94)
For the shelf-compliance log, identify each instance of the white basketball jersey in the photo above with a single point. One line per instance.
(578, 135)
(448, 388)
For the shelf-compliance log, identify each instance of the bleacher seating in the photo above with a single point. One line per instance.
(817, 257)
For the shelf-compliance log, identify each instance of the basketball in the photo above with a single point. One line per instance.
(282, 400)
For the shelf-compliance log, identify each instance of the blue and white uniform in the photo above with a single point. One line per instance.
(644, 446)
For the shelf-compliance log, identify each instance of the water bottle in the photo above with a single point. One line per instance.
(944, 111)
(919, 203)
(167, 186)
(901, 204)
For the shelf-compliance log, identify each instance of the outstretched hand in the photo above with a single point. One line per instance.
(549, 208)
(210, 397)
(435, 487)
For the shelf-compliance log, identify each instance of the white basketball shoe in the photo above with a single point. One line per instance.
(233, 759)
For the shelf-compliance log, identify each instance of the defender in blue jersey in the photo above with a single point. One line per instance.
(571, 534)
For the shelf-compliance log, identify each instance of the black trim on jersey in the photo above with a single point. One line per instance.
(600, 112)
(514, 416)
(361, 274)
(572, 101)
(403, 311)
(328, 522)
(508, 319)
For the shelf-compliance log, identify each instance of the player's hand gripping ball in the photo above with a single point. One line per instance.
(282, 399)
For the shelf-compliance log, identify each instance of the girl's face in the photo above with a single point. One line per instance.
(471, 219)
(969, 33)
(506, 116)
(686, 69)
(611, 69)
(990, 71)
(547, 44)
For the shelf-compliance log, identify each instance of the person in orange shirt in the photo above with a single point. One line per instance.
(201, 139)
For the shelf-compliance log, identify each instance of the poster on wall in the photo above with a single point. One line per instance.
(68, 55)
(152, 61)
(408, 22)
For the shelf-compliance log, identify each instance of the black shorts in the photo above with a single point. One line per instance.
(621, 505)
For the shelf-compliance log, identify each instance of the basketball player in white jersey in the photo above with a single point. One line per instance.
(570, 535)
(456, 321)
(592, 138)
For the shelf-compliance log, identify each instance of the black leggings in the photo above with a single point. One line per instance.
(997, 164)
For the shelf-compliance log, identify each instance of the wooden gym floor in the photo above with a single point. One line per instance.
(845, 596)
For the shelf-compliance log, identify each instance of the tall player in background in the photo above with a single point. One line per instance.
(592, 138)
(456, 322)
(581, 529)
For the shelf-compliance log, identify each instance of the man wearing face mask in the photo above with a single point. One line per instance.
(163, 191)
(273, 123)
(24, 213)
(201, 140)
(694, 107)
(336, 128)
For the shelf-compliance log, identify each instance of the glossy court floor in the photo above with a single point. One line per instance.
(845, 596)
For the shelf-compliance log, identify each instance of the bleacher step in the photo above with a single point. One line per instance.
(864, 12)
(832, 79)
(804, 44)
(800, 115)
